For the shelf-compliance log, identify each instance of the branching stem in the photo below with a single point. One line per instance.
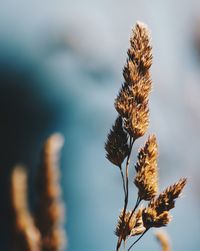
(136, 205)
(132, 140)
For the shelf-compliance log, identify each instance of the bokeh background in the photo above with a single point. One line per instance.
(60, 70)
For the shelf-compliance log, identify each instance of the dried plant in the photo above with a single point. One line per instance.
(146, 179)
(132, 122)
(164, 241)
(42, 230)
(27, 236)
(49, 212)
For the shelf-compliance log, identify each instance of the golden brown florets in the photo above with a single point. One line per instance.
(146, 178)
(116, 146)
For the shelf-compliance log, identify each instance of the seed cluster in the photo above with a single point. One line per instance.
(132, 105)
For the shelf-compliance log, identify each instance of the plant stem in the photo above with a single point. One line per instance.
(123, 181)
(126, 190)
(136, 205)
(124, 246)
(138, 239)
(127, 166)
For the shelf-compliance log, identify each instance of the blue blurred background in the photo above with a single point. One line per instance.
(60, 70)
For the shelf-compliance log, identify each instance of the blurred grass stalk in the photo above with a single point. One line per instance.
(164, 241)
(41, 230)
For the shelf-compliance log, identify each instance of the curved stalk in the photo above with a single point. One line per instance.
(138, 239)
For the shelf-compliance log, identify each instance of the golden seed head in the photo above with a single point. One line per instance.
(141, 50)
(146, 178)
(124, 102)
(166, 200)
(152, 219)
(132, 100)
(116, 146)
(162, 219)
(133, 121)
(124, 224)
(148, 154)
(157, 212)
(138, 227)
(138, 122)
(129, 225)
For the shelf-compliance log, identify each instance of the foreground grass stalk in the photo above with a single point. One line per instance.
(132, 106)
(126, 190)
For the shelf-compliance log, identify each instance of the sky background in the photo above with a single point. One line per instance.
(70, 56)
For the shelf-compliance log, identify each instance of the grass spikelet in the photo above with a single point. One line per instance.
(49, 213)
(166, 200)
(157, 212)
(141, 51)
(138, 121)
(132, 100)
(125, 225)
(116, 146)
(139, 226)
(148, 154)
(146, 178)
(130, 225)
(26, 236)
(151, 218)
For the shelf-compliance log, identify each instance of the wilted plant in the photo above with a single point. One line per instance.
(132, 123)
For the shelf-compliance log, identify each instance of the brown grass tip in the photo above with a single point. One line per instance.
(146, 178)
(129, 224)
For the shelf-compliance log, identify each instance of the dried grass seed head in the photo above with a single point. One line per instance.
(148, 154)
(146, 178)
(138, 122)
(50, 209)
(152, 219)
(141, 50)
(117, 143)
(129, 225)
(157, 212)
(124, 225)
(27, 235)
(132, 100)
(166, 200)
(138, 227)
